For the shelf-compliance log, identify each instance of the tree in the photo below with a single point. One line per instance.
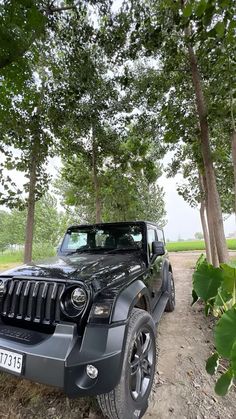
(29, 135)
(172, 35)
(27, 102)
(129, 172)
(94, 120)
(198, 235)
(4, 239)
(50, 224)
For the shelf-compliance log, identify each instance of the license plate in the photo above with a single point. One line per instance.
(11, 361)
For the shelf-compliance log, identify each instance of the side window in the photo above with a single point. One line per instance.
(160, 235)
(151, 236)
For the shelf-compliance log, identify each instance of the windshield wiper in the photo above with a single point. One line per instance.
(86, 250)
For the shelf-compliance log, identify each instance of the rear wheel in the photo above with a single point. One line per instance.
(129, 399)
(170, 306)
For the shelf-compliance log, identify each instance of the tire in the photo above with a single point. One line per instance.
(170, 306)
(125, 401)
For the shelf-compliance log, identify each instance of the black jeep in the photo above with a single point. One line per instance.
(86, 320)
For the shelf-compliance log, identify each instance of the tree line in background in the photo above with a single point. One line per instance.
(111, 90)
(49, 226)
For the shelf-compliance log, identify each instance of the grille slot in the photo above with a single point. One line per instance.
(33, 301)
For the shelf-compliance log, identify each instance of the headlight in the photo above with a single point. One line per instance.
(79, 298)
(75, 300)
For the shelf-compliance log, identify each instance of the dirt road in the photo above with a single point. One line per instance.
(182, 389)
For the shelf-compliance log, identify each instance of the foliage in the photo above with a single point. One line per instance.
(217, 288)
(108, 147)
(164, 85)
(50, 224)
(125, 174)
(21, 23)
(25, 138)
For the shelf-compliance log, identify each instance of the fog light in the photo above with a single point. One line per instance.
(92, 371)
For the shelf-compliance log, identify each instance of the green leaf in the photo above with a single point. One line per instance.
(206, 281)
(220, 29)
(187, 11)
(224, 383)
(229, 277)
(201, 7)
(222, 298)
(212, 363)
(195, 297)
(225, 333)
(224, 3)
(201, 259)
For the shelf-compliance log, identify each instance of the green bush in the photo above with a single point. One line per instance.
(217, 288)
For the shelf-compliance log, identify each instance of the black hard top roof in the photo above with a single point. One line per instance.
(115, 223)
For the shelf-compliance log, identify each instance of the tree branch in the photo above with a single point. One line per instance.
(50, 9)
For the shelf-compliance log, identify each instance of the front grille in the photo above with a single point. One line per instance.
(32, 301)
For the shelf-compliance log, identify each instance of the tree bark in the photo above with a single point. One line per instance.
(205, 231)
(214, 206)
(29, 232)
(210, 223)
(98, 206)
(234, 165)
(203, 205)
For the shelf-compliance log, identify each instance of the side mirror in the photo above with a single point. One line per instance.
(158, 248)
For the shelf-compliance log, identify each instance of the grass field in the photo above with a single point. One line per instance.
(194, 245)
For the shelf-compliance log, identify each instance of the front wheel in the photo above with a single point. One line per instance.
(129, 399)
(170, 306)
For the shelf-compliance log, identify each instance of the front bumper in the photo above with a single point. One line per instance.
(60, 359)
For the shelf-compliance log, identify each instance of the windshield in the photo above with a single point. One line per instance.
(103, 238)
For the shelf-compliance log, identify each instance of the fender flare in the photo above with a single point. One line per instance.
(166, 268)
(127, 299)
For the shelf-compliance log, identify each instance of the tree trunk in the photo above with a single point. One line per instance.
(98, 206)
(203, 205)
(29, 232)
(214, 206)
(210, 223)
(205, 231)
(234, 164)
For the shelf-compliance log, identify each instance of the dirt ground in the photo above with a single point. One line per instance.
(182, 388)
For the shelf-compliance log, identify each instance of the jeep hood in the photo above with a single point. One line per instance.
(100, 269)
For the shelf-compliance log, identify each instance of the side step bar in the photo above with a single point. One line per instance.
(160, 307)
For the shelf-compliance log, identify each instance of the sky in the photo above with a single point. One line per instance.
(182, 220)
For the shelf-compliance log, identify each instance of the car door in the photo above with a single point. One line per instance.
(155, 265)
